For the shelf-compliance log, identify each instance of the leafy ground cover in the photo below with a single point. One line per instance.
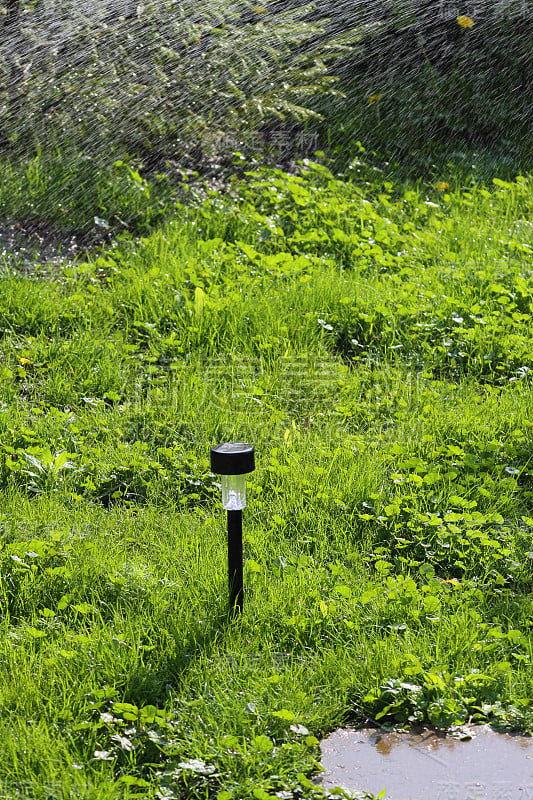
(374, 341)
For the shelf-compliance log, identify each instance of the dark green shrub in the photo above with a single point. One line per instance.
(427, 75)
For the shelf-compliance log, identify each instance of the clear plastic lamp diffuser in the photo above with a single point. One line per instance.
(233, 492)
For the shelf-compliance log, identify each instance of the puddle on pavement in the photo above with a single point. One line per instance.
(430, 766)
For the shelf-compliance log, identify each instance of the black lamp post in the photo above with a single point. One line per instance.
(233, 460)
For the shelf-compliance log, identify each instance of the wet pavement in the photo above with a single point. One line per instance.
(475, 763)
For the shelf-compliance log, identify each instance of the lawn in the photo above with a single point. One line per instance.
(373, 340)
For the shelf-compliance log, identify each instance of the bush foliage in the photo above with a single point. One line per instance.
(184, 80)
(176, 76)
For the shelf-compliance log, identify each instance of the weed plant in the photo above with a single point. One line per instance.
(374, 342)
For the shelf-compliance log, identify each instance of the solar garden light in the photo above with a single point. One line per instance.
(232, 460)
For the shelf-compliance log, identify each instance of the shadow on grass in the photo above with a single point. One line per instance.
(153, 681)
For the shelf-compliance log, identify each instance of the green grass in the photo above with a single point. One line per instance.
(78, 192)
(373, 340)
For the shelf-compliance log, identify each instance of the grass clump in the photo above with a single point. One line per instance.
(373, 340)
(72, 191)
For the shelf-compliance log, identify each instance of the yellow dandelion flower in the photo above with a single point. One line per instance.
(374, 98)
(442, 186)
(259, 10)
(465, 22)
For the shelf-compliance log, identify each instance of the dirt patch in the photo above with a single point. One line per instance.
(26, 244)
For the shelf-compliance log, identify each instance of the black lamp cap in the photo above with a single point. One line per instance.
(232, 458)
